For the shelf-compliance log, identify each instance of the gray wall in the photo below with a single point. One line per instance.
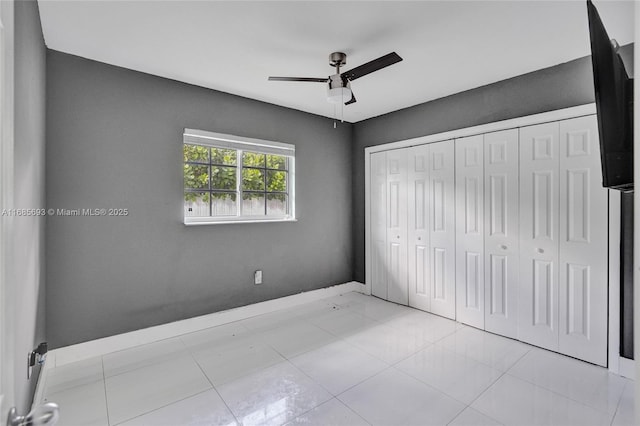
(557, 87)
(29, 164)
(115, 141)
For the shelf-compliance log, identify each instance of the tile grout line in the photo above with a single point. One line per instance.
(584, 404)
(496, 380)
(187, 353)
(161, 407)
(502, 374)
(507, 372)
(620, 401)
(212, 386)
(106, 398)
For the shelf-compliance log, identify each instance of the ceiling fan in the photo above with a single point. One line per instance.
(339, 89)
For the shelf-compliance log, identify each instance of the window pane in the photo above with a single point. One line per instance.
(196, 177)
(276, 205)
(223, 156)
(223, 177)
(276, 181)
(195, 153)
(252, 180)
(196, 204)
(276, 162)
(223, 204)
(252, 204)
(253, 159)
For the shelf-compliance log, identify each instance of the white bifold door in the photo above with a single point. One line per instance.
(378, 215)
(563, 240)
(470, 306)
(413, 227)
(487, 231)
(432, 228)
(389, 225)
(501, 232)
(397, 289)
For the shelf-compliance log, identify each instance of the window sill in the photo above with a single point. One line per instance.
(214, 221)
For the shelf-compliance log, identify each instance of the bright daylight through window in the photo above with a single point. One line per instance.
(233, 179)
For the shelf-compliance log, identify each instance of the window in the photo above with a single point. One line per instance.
(233, 179)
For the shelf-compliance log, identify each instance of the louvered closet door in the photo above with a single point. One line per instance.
(501, 232)
(442, 219)
(583, 243)
(418, 228)
(397, 289)
(469, 170)
(539, 200)
(378, 243)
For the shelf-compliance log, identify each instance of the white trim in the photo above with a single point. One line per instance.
(191, 221)
(239, 144)
(627, 368)
(529, 120)
(73, 353)
(614, 281)
(636, 215)
(367, 223)
(7, 189)
(221, 140)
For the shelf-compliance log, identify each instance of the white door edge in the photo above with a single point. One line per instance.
(6, 201)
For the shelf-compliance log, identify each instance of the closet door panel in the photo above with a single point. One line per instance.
(397, 288)
(442, 227)
(501, 243)
(583, 242)
(418, 228)
(469, 179)
(539, 199)
(378, 202)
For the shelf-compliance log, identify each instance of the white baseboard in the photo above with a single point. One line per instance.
(85, 350)
(627, 368)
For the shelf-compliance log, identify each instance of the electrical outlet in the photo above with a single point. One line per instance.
(257, 277)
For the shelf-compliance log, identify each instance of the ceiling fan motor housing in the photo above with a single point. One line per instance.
(338, 59)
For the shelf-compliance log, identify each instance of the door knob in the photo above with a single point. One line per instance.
(503, 247)
(419, 238)
(44, 415)
(540, 250)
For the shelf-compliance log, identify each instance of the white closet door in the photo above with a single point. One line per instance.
(397, 290)
(501, 232)
(583, 243)
(442, 228)
(378, 202)
(418, 228)
(539, 192)
(469, 172)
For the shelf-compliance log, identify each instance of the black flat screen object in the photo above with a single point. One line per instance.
(614, 103)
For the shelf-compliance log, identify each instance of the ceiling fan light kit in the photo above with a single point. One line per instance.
(339, 86)
(339, 90)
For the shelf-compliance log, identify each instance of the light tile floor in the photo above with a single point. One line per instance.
(345, 360)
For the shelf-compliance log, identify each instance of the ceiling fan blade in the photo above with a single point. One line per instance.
(369, 67)
(352, 100)
(310, 79)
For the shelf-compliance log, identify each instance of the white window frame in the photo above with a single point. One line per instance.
(241, 144)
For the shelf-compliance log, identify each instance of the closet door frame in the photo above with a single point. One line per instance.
(615, 363)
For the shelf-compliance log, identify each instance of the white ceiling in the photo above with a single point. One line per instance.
(233, 46)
